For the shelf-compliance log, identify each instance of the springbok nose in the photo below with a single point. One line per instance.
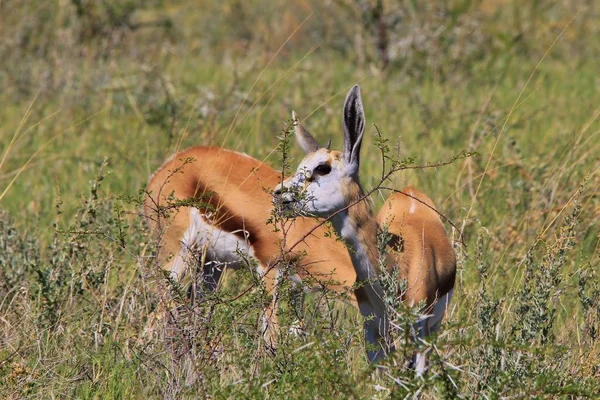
(278, 189)
(287, 198)
(284, 197)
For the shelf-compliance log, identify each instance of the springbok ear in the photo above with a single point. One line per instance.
(305, 139)
(354, 127)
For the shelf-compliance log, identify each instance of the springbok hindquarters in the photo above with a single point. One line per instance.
(423, 252)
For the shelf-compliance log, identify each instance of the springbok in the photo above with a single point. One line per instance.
(228, 224)
(326, 185)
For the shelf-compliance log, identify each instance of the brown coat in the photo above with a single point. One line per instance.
(421, 247)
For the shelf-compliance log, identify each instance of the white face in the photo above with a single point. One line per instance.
(323, 181)
(319, 185)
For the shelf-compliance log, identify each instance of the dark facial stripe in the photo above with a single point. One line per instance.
(222, 216)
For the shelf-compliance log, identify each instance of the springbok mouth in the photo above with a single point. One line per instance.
(283, 197)
(288, 206)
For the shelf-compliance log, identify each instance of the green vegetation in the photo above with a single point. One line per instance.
(96, 95)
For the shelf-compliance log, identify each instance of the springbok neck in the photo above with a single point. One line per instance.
(326, 185)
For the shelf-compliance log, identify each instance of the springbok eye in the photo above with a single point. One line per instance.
(322, 169)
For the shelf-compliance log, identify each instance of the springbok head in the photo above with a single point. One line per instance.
(326, 180)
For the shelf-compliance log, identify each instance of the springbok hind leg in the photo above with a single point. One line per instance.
(419, 359)
(270, 322)
(182, 259)
(425, 327)
(176, 268)
(212, 271)
(297, 298)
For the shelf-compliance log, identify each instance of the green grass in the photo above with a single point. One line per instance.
(77, 276)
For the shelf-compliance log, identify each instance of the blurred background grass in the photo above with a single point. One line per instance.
(134, 81)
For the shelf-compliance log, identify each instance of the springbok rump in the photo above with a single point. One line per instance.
(326, 185)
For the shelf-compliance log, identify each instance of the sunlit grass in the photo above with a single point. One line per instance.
(516, 83)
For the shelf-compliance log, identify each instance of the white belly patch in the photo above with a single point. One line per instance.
(222, 247)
